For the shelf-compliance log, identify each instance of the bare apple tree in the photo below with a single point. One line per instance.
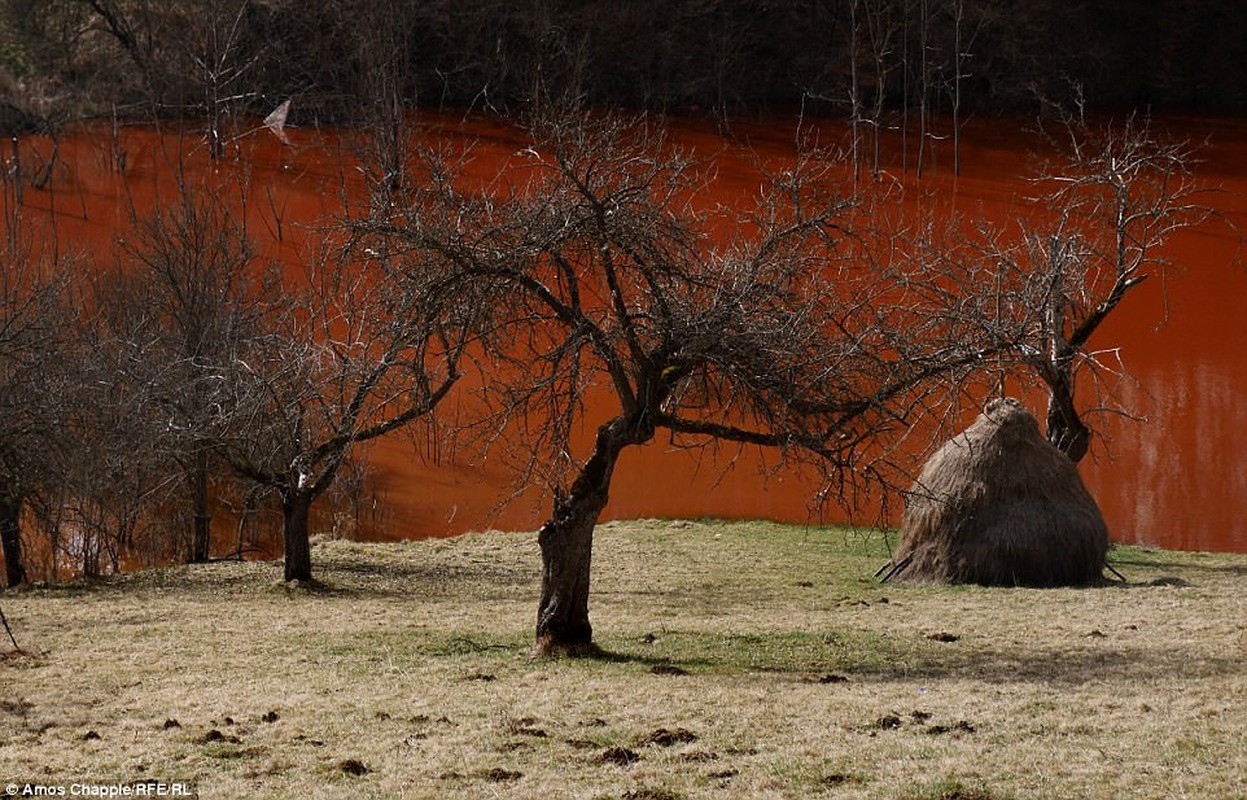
(366, 342)
(1108, 205)
(623, 296)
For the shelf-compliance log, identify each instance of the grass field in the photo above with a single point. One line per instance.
(740, 660)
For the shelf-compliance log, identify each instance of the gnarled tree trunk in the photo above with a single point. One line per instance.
(201, 531)
(296, 506)
(566, 542)
(1066, 430)
(11, 540)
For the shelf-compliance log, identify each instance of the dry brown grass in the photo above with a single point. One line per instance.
(740, 660)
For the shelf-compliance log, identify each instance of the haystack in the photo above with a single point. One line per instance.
(999, 505)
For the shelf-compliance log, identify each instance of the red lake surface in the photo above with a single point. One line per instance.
(1176, 478)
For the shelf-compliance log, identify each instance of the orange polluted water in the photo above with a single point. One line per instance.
(1175, 480)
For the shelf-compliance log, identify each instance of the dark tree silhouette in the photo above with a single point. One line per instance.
(365, 343)
(762, 326)
(1118, 195)
(186, 293)
(34, 351)
(1106, 206)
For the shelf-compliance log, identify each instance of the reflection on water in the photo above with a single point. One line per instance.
(1176, 480)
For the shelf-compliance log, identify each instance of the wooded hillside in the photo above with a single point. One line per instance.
(345, 60)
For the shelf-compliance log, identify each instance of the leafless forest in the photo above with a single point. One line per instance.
(347, 61)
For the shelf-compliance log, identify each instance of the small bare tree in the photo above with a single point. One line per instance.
(1109, 204)
(883, 23)
(216, 51)
(366, 342)
(33, 356)
(113, 474)
(186, 292)
(967, 23)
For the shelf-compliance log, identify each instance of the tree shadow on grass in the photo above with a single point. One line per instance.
(595, 653)
(1175, 566)
(915, 659)
(1069, 667)
(225, 577)
(366, 578)
(340, 577)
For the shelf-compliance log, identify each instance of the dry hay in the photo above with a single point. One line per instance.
(999, 505)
